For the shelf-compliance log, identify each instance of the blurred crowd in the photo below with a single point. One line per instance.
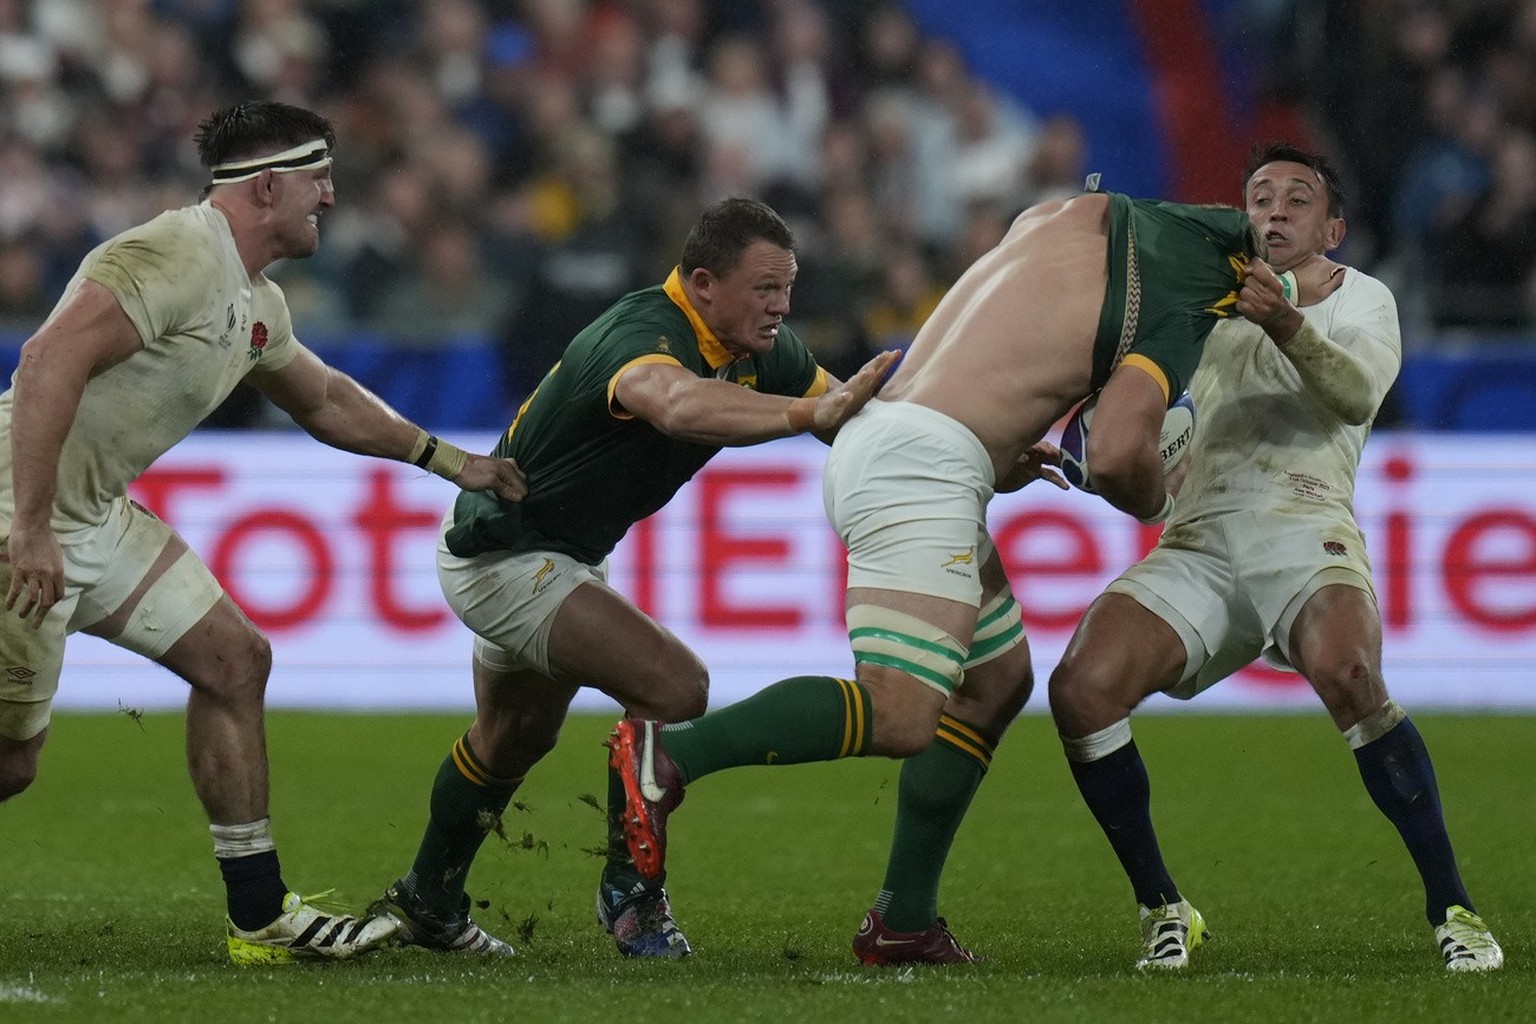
(1430, 106)
(506, 169)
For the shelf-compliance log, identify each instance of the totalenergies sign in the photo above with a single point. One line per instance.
(333, 555)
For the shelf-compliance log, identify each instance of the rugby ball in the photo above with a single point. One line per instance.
(1178, 432)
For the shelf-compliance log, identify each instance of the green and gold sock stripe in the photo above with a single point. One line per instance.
(857, 723)
(470, 767)
(965, 739)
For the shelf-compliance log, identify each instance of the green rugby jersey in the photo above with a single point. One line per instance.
(593, 471)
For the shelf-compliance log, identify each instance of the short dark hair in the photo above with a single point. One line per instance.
(1269, 152)
(727, 229)
(248, 129)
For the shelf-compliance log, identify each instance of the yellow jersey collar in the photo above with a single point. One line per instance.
(710, 348)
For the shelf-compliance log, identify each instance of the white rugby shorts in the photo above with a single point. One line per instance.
(509, 599)
(104, 567)
(1232, 585)
(907, 488)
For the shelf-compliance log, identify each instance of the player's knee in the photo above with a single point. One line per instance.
(909, 736)
(1069, 683)
(684, 693)
(17, 772)
(1023, 685)
(905, 712)
(240, 672)
(1349, 685)
(536, 742)
(1079, 691)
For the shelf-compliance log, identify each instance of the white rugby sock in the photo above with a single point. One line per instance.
(230, 841)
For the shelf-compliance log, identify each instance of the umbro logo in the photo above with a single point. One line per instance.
(20, 674)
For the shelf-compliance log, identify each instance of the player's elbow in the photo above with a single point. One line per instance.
(1356, 410)
(1121, 464)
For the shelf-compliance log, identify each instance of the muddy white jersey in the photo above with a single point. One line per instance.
(205, 323)
(1263, 441)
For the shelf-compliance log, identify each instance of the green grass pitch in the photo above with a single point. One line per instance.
(111, 905)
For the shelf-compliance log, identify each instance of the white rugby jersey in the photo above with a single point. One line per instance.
(1263, 441)
(205, 324)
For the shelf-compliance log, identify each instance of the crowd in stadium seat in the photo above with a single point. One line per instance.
(507, 168)
(1432, 108)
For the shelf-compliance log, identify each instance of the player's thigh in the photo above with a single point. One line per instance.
(909, 659)
(130, 579)
(509, 599)
(1120, 654)
(221, 654)
(999, 675)
(1189, 587)
(153, 593)
(906, 489)
(1335, 642)
(599, 638)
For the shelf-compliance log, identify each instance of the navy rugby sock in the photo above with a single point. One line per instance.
(1118, 792)
(1401, 780)
(254, 889)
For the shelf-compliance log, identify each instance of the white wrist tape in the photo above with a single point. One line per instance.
(1159, 517)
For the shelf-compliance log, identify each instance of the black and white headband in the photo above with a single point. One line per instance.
(304, 157)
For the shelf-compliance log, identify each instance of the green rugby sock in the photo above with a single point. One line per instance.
(796, 720)
(467, 803)
(935, 792)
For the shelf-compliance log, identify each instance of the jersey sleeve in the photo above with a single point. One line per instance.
(159, 274)
(1367, 327)
(623, 350)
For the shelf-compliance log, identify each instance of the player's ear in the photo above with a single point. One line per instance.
(701, 280)
(264, 187)
(1333, 234)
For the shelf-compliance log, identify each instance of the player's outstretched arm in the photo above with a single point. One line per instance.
(843, 400)
(715, 412)
(334, 408)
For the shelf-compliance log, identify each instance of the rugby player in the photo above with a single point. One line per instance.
(1263, 556)
(154, 331)
(1095, 291)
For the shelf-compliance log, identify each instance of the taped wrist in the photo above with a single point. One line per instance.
(1288, 285)
(801, 414)
(437, 456)
(1158, 517)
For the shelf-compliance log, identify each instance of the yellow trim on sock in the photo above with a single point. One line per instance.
(965, 739)
(861, 712)
(464, 760)
(848, 703)
(854, 713)
(470, 767)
